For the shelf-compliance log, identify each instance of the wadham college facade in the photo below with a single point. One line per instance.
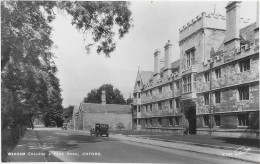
(213, 88)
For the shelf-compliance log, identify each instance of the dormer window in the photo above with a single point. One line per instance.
(244, 65)
(206, 76)
(138, 83)
(218, 73)
(171, 86)
(160, 90)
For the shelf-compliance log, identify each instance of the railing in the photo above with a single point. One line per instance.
(10, 138)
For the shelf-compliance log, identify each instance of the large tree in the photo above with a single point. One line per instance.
(26, 33)
(67, 113)
(29, 84)
(113, 96)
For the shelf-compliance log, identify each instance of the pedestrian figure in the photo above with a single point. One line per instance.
(32, 126)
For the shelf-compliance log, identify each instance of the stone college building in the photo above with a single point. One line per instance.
(214, 86)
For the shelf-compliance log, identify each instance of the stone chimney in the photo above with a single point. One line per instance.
(103, 97)
(157, 55)
(168, 57)
(232, 24)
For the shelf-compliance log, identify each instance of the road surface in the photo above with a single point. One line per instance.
(78, 146)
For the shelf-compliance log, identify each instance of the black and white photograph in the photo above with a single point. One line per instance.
(144, 81)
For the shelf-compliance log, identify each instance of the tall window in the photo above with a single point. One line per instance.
(170, 104)
(171, 86)
(147, 94)
(243, 93)
(187, 84)
(138, 95)
(206, 99)
(146, 122)
(159, 105)
(151, 92)
(160, 121)
(206, 76)
(184, 84)
(177, 84)
(151, 107)
(138, 121)
(177, 102)
(218, 73)
(244, 65)
(217, 120)
(243, 119)
(170, 121)
(177, 121)
(138, 108)
(206, 120)
(189, 57)
(160, 90)
(217, 97)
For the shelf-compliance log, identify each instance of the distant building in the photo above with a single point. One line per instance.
(75, 117)
(129, 101)
(90, 113)
(213, 88)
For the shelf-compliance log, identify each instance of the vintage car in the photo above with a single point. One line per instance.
(100, 129)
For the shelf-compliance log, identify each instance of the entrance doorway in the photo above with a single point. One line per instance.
(191, 116)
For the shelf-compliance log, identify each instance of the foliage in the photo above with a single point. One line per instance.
(29, 87)
(120, 126)
(67, 113)
(99, 18)
(113, 96)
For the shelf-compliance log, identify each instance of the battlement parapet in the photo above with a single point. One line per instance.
(161, 81)
(233, 54)
(198, 18)
(206, 20)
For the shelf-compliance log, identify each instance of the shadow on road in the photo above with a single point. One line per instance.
(64, 141)
(210, 140)
(251, 142)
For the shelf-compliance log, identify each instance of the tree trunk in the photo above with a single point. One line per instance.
(5, 57)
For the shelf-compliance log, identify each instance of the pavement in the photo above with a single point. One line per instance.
(26, 149)
(31, 145)
(242, 153)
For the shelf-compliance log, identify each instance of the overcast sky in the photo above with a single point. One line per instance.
(154, 22)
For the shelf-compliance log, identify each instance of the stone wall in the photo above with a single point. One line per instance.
(112, 119)
(229, 121)
(229, 95)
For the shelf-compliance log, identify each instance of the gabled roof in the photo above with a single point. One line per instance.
(143, 77)
(146, 76)
(175, 64)
(247, 34)
(110, 108)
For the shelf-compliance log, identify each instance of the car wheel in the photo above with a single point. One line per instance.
(107, 135)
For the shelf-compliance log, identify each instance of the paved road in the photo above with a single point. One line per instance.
(74, 146)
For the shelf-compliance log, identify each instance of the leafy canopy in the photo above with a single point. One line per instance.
(30, 88)
(113, 96)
